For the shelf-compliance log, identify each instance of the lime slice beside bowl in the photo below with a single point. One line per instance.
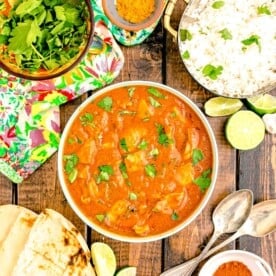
(245, 130)
(222, 106)
(103, 258)
(127, 271)
(262, 104)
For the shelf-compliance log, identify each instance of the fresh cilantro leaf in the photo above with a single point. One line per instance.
(154, 102)
(100, 217)
(251, 40)
(211, 71)
(71, 162)
(27, 7)
(105, 171)
(174, 216)
(132, 196)
(150, 170)
(263, 10)
(123, 170)
(86, 119)
(197, 156)
(143, 145)
(123, 144)
(225, 34)
(218, 4)
(131, 91)
(106, 103)
(163, 138)
(186, 55)
(156, 93)
(203, 181)
(185, 35)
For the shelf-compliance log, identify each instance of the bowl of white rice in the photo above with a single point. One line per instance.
(229, 47)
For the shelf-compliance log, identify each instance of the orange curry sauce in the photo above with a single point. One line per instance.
(137, 160)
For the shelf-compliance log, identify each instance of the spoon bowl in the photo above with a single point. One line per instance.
(227, 217)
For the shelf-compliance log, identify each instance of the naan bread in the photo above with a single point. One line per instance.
(59, 244)
(16, 224)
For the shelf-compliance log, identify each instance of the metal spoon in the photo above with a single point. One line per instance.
(227, 217)
(261, 222)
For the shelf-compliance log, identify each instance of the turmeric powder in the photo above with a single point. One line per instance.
(135, 11)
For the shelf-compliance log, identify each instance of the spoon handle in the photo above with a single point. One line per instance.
(188, 267)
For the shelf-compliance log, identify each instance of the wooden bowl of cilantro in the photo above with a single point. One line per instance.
(43, 39)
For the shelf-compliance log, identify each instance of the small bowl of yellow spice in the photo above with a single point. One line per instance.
(133, 15)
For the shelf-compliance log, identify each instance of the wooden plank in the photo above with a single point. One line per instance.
(142, 62)
(6, 188)
(189, 242)
(258, 173)
(42, 189)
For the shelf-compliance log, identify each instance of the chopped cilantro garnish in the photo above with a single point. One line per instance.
(163, 138)
(251, 40)
(143, 145)
(105, 171)
(218, 4)
(225, 34)
(204, 181)
(86, 119)
(132, 196)
(123, 170)
(186, 55)
(263, 10)
(100, 217)
(154, 102)
(197, 156)
(174, 216)
(154, 152)
(156, 93)
(123, 144)
(71, 161)
(131, 91)
(106, 103)
(150, 170)
(185, 35)
(211, 71)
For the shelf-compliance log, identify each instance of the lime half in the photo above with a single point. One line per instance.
(103, 259)
(221, 106)
(245, 130)
(127, 271)
(262, 104)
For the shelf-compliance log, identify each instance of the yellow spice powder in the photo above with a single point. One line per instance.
(135, 11)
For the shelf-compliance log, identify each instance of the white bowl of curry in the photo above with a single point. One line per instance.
(137, 161)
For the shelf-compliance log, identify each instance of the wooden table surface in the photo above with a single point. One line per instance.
(157, 59)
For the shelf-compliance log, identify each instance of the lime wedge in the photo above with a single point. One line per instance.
(103, 259)
(262, 104)
(270, 123)
(221, 106)
(127, 271)
(245, 130)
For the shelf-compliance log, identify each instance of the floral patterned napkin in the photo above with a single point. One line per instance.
(29, 110)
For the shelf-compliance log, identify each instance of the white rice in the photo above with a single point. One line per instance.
(246, 69)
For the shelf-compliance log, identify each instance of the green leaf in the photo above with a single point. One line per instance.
(225, 34)
(131, 91)
(123, 144)
(143, 145)
(132, 196)
(123, 170)
(106, 103)
(197, 156)
(218, 4)
(186, 55)
(71, 162)
(263, 10)
(203, 181)
(154, 102)
(27, 7)
(150, 170)
(163, 138)
(253, 39)
(211, 71)
(185, 35)
(156, 93)
(105, 171)
(174, 216)
(86, 119)
(100, 217)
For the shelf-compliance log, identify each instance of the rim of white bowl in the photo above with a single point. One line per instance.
(257, 265)
(195, 213)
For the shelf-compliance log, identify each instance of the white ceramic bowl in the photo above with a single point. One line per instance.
(203, 202)
(257, 265)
